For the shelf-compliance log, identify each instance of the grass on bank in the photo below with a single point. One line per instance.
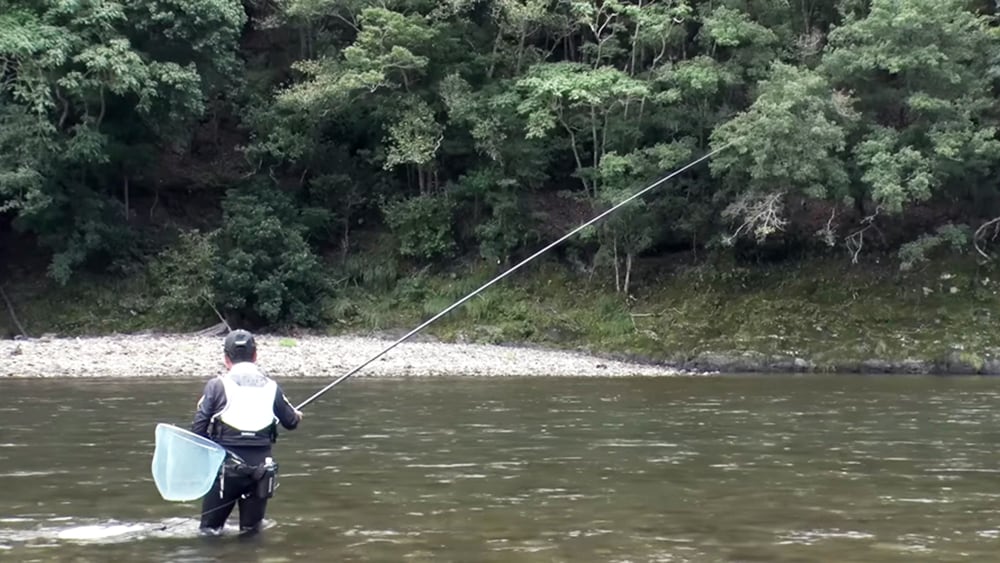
(827, 311)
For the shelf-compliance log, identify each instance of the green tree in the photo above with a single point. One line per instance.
(791, 141)
(633, 229)
(266, 271)
(582, 102)
(919, 71)
(82, 78)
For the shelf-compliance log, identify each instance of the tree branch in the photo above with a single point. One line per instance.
(856, 240)
(760, 213)
(13, 315)
(981, 234)
(827, 233)
(217, 313)
(65, 108)
(100, 116)
(353, 24)
(576, 151)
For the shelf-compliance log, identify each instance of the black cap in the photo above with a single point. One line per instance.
(239, 346)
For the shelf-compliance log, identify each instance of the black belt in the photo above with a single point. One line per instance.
(239, 468)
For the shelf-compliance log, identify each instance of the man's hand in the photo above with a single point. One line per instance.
(298, 415)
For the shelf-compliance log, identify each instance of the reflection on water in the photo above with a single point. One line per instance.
(803, 468)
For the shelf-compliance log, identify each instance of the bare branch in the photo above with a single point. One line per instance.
(856, 240)
(256, 170)
(828, 233)
(217, 313)
(214, 330)
(10, 308)
(65, 108)
(761, 214)
(981, 234)
(353, 24)
(810, 43)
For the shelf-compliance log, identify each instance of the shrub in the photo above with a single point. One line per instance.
(423, 225)
(183, 275)
(266, 271)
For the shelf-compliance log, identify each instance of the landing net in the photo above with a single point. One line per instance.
(184, 463)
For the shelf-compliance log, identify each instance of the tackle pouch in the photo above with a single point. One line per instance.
(268, 481)
(264, 476)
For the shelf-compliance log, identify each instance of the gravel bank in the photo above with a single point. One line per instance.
(193, 356)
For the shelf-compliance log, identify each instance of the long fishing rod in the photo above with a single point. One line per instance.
(507, 273)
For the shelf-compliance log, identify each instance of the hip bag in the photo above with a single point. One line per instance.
(263, 476)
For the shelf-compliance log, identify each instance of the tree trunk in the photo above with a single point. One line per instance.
(310, 40)
(216, 142)
(635, 41)
(614, 247)
(576, 152)
(345, 240)
(520, 50)
(493, 56)
(421, 181)
(597, 152)
(104, 108)
(65, 108)
(125, 194)
(156, 200)
(628, 272)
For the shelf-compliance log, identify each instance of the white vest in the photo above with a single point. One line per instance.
(250, 406)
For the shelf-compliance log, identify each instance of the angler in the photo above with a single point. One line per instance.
(240, 411)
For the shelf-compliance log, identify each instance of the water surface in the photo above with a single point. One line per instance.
(763, 468)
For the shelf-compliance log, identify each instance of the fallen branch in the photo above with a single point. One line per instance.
(214, 330)
(217, 313)
(13, 315)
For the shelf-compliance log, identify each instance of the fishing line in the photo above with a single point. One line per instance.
(458, 303)
(508, 272)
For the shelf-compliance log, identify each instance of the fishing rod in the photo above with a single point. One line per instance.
(511, 270)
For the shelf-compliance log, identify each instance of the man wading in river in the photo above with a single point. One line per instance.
(239, 410)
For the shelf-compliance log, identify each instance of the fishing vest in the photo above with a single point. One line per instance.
(248, 416)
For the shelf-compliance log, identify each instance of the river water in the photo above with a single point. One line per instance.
(761, 468)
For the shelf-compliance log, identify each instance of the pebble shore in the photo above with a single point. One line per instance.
(305, 356)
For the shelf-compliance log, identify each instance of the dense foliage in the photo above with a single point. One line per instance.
(294, 133)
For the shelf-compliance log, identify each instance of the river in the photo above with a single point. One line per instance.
(699, 468)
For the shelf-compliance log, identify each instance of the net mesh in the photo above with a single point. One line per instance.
(184, 463)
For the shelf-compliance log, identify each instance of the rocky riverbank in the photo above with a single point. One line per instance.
(332, 356)
(319, 356)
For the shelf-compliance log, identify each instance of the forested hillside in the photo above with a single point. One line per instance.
(267, 158)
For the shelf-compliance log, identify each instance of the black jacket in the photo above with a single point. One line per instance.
(213, 401)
